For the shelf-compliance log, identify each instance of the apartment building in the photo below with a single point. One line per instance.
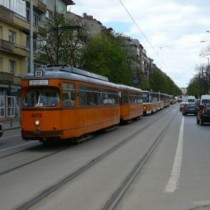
(91, 25)
(15, 45)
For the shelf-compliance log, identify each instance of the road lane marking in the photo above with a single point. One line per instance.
(202, 203)
(173, 181)
(20, 145)
(8, 137)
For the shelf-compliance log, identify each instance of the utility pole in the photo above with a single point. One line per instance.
(31, 22)
(31, 38)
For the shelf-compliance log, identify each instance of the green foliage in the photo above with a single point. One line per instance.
(61, 43)
(105, 56)
(197, 87)
(200, 83)
(159, 81)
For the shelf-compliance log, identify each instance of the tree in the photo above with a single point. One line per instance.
(200, 83)
(194, 88)
(159, 81)
(105, 55)
(61, 42)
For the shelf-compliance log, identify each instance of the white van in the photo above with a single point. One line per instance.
(205, 99)
(191, 99)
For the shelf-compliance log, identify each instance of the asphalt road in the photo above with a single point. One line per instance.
(87, 175)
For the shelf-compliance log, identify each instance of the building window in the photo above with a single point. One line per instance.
(1, 64)
(47, 14)
(28, 15)
(1, 31)
(12, 36)
(36, 20)
(12, 66)
(28, 42)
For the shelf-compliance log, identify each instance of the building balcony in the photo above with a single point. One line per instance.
(13, 48)
(68, 2)
(21, 51)
(11, 18)
(6, 77)
(39, 5)
(6, 46)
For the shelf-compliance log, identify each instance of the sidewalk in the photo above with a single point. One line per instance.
(10, 123)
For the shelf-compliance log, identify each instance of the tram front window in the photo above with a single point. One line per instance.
(39, 97)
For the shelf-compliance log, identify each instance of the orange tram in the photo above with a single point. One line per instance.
(61, 102)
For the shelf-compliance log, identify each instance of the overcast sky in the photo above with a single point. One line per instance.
(171, 31)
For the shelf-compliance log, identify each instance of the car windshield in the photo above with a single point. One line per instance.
(191, 100)
(205, 101)
(41, 97)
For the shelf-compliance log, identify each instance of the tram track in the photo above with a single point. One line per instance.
(117, 196)
(46, 192)
(61, 150)
(12, 154)
(30, 162)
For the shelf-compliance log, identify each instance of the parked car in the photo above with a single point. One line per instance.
(189, 108)
(203, 110)
(1, 130)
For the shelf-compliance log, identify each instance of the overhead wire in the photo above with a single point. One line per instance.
(145, 37)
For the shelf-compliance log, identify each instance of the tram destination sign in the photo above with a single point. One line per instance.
(38, 82)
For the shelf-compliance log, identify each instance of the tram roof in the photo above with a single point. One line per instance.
(128, 87)
(72, 73)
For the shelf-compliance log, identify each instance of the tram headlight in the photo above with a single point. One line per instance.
(37, 122)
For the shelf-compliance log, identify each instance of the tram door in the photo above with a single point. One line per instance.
(10, 106)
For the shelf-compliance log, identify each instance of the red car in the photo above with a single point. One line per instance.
(203, 114)
(189, 108)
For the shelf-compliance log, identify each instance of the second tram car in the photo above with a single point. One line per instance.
(131, 104)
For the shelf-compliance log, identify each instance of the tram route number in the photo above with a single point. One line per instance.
(38, 73)
(36, 115)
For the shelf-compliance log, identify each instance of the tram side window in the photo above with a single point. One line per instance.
(68, 94)
(124, 99)
(135, 98)
(154, 99)
(89, 96)
(110, 97)
(82, 95)
(93, 96)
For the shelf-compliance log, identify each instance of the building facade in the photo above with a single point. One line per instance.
(88, 22)
(15, 45)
